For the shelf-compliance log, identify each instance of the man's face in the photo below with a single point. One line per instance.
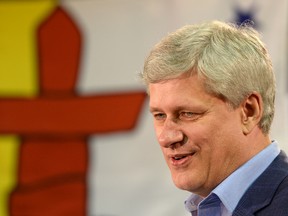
(199, 134)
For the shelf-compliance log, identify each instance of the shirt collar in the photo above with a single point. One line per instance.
(234, 186)
(191, 204)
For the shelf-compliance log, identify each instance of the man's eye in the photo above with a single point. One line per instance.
(187, 114)
(159, 116)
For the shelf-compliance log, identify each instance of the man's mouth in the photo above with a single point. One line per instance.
(180, 159)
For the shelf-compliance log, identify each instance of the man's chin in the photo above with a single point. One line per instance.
(187, 181)
(183, 182)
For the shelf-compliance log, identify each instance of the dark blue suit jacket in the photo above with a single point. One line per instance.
(268, 195)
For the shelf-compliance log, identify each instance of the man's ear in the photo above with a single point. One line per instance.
(251, 112)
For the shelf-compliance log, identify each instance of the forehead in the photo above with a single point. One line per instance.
(178, 92)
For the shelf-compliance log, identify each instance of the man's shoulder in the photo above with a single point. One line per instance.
(268, 195)
(278, 205)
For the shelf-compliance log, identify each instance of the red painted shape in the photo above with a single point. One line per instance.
(55, 126)
(42, 159)
(51, 182)
(59, 43)
(54, 199)
(71, 115)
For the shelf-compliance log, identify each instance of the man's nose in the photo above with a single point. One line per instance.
(170, 135)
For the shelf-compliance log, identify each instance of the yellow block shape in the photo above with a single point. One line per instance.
(18, 74)
(9, 146)
(18, 51)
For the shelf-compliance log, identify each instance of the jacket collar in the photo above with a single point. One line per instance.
(261, 192)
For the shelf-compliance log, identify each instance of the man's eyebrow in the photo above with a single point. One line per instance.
(154, 109)
(176, 108)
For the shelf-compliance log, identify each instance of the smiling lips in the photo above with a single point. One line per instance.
(180, 159)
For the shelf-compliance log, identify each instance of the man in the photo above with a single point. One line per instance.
(212, 91)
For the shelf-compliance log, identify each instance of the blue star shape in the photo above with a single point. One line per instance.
(243, 17)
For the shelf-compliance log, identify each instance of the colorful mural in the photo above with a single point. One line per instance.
(44, 124)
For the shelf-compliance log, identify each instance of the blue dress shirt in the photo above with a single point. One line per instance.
(224, 198)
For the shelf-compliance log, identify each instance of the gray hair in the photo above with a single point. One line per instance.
(231, 60)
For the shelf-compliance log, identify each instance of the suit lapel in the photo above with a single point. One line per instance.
(263, 189)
